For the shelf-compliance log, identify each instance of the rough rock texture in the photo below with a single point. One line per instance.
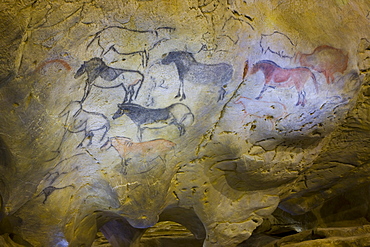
(244, 121)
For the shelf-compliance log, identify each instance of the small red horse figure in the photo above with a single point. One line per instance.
(276, 76)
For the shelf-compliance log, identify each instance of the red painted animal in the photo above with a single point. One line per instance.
(150, 150)
(276, 76)
(325, 59)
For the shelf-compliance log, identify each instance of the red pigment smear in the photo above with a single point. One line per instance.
(61, 61)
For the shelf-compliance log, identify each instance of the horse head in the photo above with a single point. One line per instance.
(168, 58)
(93, 68)
(80, 71)
(119, 113)
(123, 109)
(264, 65)
(255, 68)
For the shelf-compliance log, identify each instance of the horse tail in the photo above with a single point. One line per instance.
(315, 82)
(185, 115)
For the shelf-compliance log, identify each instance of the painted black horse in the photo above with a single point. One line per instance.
(190, 70)
(175, 114)
(130, 80)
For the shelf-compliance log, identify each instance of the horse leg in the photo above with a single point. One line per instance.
(222, 93)
(183, 96)
(87, 90)
(139, 133)
(262, 91)
(90, 136)
(327, 76)
(181, 128)
(87, 134)
(179, 91)
(140, 82)
(126, 94)
(129, 93)
(124, 165)
(301, 98)
(105, 132)
(146, 57)
(331, 78)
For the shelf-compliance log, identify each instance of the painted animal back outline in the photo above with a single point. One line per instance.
(74, 113)
(144, 53)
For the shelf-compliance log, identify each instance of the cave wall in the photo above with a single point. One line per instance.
(223, 116)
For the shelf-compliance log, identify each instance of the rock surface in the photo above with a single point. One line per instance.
(239, 120)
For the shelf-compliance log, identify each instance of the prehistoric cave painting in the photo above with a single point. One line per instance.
(176, 114)
(62, 62)
(239, 15)
(325, 59)
(276, 76)
(49, 190)
(190, 70)
(271, 111)
(277, 43)
(209, 44)
(129, 150)
(54, 176)
(80, 120)
(127, 41)
(130, 80)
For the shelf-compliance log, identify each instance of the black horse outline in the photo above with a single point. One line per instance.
(96, 67)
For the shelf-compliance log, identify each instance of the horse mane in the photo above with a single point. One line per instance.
(186, 55)
(131, 106)
(95, 62)
(268, 62)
